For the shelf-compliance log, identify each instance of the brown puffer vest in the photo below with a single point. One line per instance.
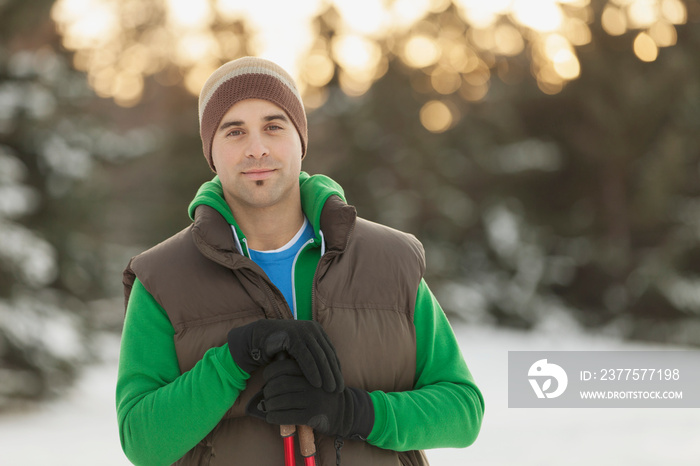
(364, 294)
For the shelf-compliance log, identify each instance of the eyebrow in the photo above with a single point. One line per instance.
(276, 116)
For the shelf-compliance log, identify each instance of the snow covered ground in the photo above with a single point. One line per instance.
(81, 428)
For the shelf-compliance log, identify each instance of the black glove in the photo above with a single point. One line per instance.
(257, 344)
(288, 398)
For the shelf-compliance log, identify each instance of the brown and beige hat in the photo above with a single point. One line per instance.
(248, 78)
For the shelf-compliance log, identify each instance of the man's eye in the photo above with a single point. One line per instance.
(235, 132)
(274, 127)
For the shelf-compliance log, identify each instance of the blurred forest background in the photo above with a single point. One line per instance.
(546, 152)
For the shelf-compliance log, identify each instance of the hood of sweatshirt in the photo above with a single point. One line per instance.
(314, 190)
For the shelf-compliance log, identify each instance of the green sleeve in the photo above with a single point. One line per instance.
(445, 407)
(162, 413)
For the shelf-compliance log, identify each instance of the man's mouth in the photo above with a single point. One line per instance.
(258, 173)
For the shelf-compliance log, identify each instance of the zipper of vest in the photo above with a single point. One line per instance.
(271, 296)
(268, 289)
(328, 257)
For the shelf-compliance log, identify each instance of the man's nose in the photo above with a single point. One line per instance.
(256, 146)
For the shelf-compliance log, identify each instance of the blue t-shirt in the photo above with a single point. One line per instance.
(279, 264)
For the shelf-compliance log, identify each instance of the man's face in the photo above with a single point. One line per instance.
(257, 154)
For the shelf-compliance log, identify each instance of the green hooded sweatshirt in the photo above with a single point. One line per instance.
(162, 413)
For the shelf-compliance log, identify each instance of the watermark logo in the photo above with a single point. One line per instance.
(604, 379)
(542, 370)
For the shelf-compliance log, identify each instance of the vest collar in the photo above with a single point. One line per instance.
(337, 222)
(213, 236)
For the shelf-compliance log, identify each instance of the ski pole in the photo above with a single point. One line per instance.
(306, 438)
(307, 445)
(287, 433)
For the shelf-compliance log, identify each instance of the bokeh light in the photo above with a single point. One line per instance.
(318, 69)
(674, 11)
(120, 43)
(540, 15)
(614, 20)
(663, 33)
(436, 116)
(357, 55)
(642, 13)
(645, 48)
(420, 51)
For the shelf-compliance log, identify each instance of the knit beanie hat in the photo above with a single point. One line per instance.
(247, 78)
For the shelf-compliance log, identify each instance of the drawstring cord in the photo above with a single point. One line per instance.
(338, 445)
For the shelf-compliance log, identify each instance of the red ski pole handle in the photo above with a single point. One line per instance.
(287, 433)
(306, 442)
(308, 447)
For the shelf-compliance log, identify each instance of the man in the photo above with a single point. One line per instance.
(278, 293)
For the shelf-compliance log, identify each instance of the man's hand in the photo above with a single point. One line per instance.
(288, 398)
(257, 344)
